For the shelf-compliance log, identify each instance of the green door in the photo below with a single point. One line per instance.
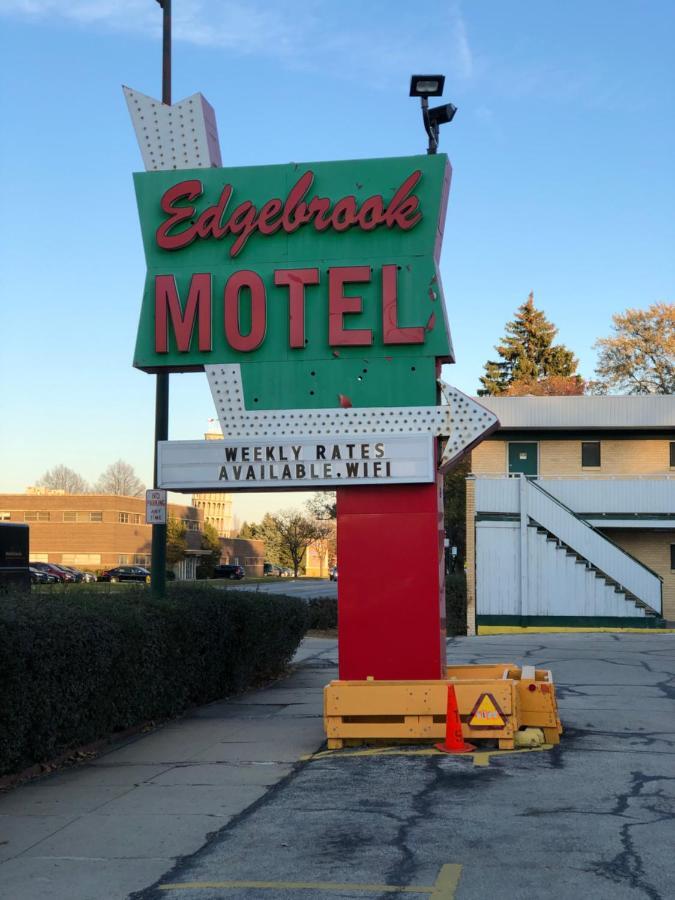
(523, 459)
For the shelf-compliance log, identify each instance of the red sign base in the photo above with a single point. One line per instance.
(391, 583)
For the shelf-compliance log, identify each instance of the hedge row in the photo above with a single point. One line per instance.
(79, 666)
(323, 613)
(455, 603)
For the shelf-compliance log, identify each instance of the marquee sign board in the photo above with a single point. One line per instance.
(308, 293)
(303, 462)
(319, 280)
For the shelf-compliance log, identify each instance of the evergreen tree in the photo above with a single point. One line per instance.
(176, 541)
(527, 353)
(210, 542)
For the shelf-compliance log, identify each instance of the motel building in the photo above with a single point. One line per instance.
(571, 514)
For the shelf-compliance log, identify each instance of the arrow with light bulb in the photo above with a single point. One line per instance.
(460, 418)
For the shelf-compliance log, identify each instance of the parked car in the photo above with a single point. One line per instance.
(37, 576)
(286, 572)
(332, 574)
(272, 569)
(126, 573)
(52, 569)
(88, 577)
(229, 570)
(77, 575)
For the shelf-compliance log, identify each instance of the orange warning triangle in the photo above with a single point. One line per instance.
(487, 714)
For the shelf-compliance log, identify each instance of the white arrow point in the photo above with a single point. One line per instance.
(181, 136)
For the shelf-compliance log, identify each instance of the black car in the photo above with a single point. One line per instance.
(37, 576)
(228, 570)
(126, 573)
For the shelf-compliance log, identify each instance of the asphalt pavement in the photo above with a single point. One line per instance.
(305, 588)
(241, 800)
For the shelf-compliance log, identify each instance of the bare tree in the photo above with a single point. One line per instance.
(296, 532)
(120, 478)
(640, 357)
(322, 505)
(61, 478)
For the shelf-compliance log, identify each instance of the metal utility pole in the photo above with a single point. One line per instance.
(159, 532)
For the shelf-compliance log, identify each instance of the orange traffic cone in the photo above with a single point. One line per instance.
(454, 741)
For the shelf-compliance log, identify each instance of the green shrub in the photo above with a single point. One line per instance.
(455, 603)
(323, 613)
(78, 666)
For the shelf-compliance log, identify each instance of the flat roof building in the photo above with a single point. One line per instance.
(571, 513)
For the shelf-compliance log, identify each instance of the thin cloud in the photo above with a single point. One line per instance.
(317, 34)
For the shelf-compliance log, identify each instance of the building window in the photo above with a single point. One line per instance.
(81, 559)
(672, 454)
(39, 557)
(590, 454)
(141, 560)
(35, 516)
(95, 516)
(123, 560)
(137, 519)
(124, 517)
(69, 515)
(672, 556)
(5, 516)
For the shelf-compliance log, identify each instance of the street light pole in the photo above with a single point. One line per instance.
(159, 532)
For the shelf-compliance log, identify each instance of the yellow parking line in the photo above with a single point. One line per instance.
(443, 889)
(551, 629)
(297, 886)
(480, 758)
(447, 882)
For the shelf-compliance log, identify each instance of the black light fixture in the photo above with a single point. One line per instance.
(425, 86)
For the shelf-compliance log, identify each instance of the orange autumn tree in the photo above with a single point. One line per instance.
(639, 358)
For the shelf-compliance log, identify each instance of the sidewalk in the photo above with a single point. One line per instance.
(103, 830)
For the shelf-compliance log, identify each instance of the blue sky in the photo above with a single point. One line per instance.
(563, 182)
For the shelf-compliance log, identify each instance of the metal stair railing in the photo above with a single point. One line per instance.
(611, 560)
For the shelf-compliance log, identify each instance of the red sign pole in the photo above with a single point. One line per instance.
(391, 585)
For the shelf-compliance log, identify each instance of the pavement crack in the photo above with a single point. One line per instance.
(628, 866)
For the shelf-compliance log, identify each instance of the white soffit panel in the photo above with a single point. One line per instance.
(181, 136)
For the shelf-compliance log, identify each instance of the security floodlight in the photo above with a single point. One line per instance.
(439, 115)
(427, 85)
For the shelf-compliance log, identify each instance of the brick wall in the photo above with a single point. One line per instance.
(619, 456)
(489, 458)
(109, 539)
(246, 552)
(653, 549)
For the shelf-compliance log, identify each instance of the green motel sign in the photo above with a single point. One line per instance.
(319, 279)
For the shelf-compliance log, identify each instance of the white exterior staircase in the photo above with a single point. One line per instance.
(549, 562)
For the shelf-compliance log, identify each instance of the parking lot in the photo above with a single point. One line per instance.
(305, 588)
(593, 817)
